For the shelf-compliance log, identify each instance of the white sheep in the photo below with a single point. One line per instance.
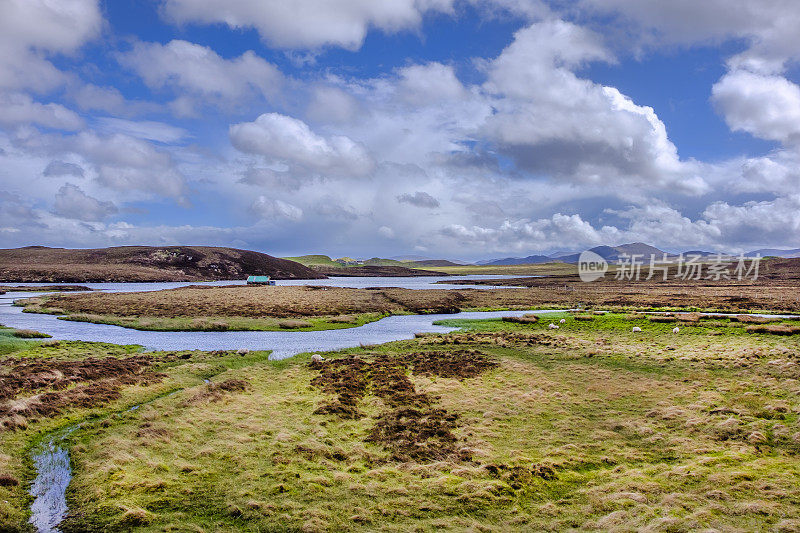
(636, 329)
(317, 358)
(562, 321)
(552, 326)
(676, 329)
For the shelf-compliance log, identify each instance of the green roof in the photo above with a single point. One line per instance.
(257, 279)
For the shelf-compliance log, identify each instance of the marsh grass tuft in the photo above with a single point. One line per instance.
(30, 334)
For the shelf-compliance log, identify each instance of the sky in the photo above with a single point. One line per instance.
(463, 129)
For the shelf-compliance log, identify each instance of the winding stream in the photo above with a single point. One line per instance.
(282, 343)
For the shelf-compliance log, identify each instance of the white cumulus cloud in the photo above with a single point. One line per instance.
(288, 139)
(307, 23)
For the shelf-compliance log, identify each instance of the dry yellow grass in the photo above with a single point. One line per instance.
(213, 304)
(589, 428)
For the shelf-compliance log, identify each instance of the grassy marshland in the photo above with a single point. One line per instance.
(48, 385)
(500, 426)
(315, 308)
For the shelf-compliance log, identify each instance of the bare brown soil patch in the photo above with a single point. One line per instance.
(214, 392)
(414, 434)
(40, 388)
(518, 476)
(7, 480)
(451, 364)
(411, 428)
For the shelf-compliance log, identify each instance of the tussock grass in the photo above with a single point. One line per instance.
(662, 318)
(524, 319)
(774, 329)
(294, 324)
(589, 427)
(11, 341)
(184, 370)
(30, 334)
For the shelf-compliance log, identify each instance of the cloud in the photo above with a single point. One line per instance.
(765, 106)
(271, 209)
(307, 23)
(16, 109)
(62, 168)
(200, 71)
(55, 26)
(331, 104)
(273, 179)
(288, 139)
(419, 199)
(144, 129)
(386, 231)
(72, 202)
(429, 84)
(31, 28)
(331, 208)
(125, 163)
(768, 221)
(555, 231)
(551, 122)
(768, 26)
(754, 96)
(90, 97)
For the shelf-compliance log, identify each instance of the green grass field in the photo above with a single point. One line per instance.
(588, 427)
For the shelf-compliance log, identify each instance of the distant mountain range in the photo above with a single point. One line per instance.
(610, 253)
(764, 252)
(613, 253)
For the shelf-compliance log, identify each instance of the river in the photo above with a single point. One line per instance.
(282, 343)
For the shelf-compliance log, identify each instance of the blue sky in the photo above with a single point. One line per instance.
(446, 128)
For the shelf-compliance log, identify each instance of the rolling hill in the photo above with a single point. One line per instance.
(143, 264)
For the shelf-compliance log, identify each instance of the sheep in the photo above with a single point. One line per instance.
(317, 358)
(636, 329)
(676, 329)
(562, 321)
(552, 326)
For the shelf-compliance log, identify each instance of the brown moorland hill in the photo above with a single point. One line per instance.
(143, 263)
